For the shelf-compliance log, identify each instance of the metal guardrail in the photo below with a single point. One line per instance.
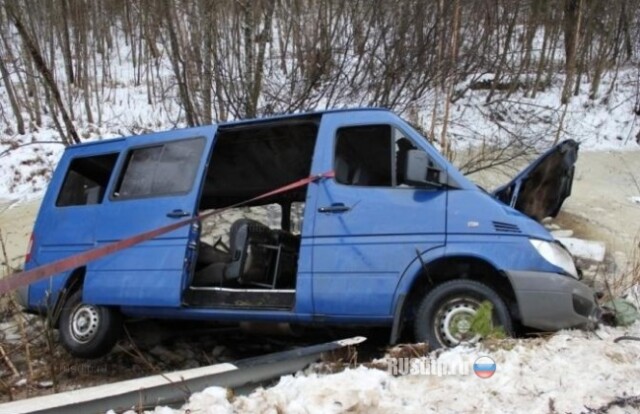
(175, 387)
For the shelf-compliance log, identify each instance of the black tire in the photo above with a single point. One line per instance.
(88, 331)
(456, 299)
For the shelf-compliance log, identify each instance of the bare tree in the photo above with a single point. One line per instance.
(12, 97)
(44, 71)
(221, 59)
(572, 21)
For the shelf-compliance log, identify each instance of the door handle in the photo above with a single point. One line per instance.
(178, 214)
(334, 208)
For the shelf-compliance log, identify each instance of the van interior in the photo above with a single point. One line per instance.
(248, 256)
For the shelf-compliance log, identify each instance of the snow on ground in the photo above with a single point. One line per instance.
(568, 372)
(584, 249)
(606, 123)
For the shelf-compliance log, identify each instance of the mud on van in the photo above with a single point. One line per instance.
(395, 237)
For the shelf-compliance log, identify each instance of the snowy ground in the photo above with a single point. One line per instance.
(568, 372)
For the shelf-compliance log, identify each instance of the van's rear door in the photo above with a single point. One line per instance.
(158, 181)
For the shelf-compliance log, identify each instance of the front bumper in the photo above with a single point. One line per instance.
(550, 301)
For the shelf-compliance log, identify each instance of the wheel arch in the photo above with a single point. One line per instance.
(423, 275)
(74, 281)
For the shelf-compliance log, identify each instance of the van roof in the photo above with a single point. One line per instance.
(243, 122)
(298, 115)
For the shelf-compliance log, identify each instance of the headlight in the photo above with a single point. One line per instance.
(555, 254)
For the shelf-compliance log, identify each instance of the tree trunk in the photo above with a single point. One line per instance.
(444, 144)
(572, 18)
(66, 41)
(12, 97)
(46, 74)
(178, 67)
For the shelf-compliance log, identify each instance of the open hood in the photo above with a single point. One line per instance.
(540, 189)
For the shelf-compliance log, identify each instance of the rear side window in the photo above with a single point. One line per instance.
(86, 180)
(160, 169)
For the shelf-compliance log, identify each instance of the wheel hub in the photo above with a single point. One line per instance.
(454, 323)
(84, 323)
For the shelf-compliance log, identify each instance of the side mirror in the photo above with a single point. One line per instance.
(420, 170)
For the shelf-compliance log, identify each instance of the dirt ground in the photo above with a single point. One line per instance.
(16, 223)
(601, 205)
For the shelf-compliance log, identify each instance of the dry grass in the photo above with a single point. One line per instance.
(626, 279)
(32, 361)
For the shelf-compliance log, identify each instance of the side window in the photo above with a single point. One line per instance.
(86, 180)
(363, 156)
(372, 155)
(160, 170)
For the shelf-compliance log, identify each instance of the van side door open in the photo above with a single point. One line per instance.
(369, 222)
(158, 181)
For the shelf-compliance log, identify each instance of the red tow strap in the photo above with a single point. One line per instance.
(17, 280)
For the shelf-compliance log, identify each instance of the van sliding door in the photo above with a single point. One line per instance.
(158, 182)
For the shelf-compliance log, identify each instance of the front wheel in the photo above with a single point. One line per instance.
(88, 331)
(445, 315)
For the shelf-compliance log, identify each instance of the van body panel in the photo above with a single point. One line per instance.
(152, 273)
(475, 212)
(359, 254)
(344, 281)
(501, 252)
(64, 231)
(304, 281)
(242, 315)
(413, 270)
(44, 293)
(222, 315)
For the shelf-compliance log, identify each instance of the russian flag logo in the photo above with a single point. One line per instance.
(484, 367)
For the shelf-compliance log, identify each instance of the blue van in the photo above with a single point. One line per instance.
(395, 237)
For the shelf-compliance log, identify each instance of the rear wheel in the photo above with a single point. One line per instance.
(88, 331)
(446, 313)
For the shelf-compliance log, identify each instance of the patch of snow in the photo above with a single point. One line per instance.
(584, 249)
(569, 371)
(21, 382)
(562, 233)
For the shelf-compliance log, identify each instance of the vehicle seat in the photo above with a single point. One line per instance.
(289, 244)
(208, 254)
(360, 176)
(341, 170)
(350, 174)
(246, 260)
